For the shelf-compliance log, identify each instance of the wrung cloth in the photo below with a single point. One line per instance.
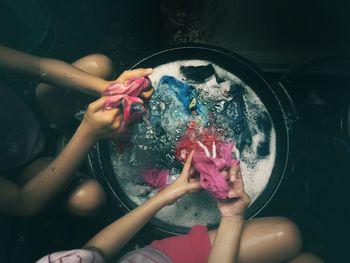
(125, 95)
(209, 168)
(210, 157)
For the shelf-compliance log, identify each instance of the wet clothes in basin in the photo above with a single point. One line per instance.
(125, 95)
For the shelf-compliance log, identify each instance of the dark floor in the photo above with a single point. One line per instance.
(314, 195)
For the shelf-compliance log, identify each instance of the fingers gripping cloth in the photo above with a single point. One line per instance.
(211, 156)
(125, 95)
(209, 168)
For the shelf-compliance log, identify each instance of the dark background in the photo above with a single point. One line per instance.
(275, 35)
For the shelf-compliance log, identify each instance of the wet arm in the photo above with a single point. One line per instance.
(227, 240)
(50, 71)
(39, 191)
(112, 238)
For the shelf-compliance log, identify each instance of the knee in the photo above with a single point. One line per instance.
(306, 257)
(288, 236)
(87, 199)
(97, 64)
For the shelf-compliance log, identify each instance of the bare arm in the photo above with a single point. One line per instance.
(228, 236)
(227, 240)
(50, 71)
(61, 74)
(40, 190)
(117, 234)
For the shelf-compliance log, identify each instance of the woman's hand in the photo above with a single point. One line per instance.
(101, 123)
(238, 200)
(140, 72)
(227, 239)
(184, 183)
(111, 239)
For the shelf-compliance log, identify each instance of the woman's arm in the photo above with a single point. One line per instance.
(50, 71)
(227, 239)
(40, 190)
(116, 235)
(62, 74)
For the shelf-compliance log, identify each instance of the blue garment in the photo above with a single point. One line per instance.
(167, 111)
(170, 107)
(183, 91)
(169, 86)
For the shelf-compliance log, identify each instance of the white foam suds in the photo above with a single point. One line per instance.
(201, 207)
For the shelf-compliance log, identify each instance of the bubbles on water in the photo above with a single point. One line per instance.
(170, 157)
(154, 144)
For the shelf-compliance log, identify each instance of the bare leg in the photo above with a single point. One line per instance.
(84, 198)
(306, 258)
(58, 104)
(269, 240)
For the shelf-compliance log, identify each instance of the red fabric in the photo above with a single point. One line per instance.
(126, 95)
(191, 248)
(132, 87)
(210, 177)
(212, 154)
(156, 178)
(190, 138)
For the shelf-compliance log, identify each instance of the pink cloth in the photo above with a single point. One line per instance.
(156, 178)
(212, 155)
(191, 248)
(210, 167)
(73, 256)
(189, 140)
(126, 96)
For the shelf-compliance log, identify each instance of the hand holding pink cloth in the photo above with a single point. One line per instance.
(125, 95)
(212, 155)
(210, 166)
(207, 163)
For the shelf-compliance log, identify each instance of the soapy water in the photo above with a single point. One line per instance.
(154, 147)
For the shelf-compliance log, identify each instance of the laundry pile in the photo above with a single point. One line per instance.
(200, 112)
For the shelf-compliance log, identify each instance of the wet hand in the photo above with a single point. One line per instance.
(140, 72)
(237, 201)
(186, 182)
(101, 123)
